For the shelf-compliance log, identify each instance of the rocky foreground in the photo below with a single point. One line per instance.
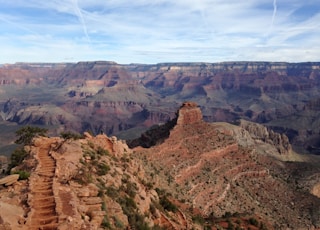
(193, 175)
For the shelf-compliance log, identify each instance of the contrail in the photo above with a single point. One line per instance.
(274, 12)
(18, 25)
(81, 19)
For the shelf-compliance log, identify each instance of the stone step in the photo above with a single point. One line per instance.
(45, 180)
(47, 165)
(43, 193)
(47, 206)
(48, 220)
(47, 212)
(43, 188)
(44, 185)
(52, 226)
(46, 174)
(44, 199)
(47, 158)
(52, 169)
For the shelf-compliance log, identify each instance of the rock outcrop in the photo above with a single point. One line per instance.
(219, 168)
(189, 113)
(261, 133)
(9, 180)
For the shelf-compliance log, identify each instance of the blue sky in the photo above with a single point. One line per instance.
(145, 31)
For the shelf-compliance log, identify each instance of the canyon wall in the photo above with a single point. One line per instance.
(125, 100)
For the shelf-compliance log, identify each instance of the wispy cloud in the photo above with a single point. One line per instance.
(159, 30)
(81, 19)
(274, 12)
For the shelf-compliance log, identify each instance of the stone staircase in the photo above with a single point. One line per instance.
(42, 200)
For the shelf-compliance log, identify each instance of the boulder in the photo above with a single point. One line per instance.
(9, 180)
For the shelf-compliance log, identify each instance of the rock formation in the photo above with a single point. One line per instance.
(262, 133)
(221, 168)
(189, 113)
(9, 180)
(125, 100)
(199, 175)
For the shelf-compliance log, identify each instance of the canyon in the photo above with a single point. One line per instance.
(125, 100)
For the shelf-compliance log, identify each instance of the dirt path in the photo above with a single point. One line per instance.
(43, 206)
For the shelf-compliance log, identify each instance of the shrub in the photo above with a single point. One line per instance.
(198, 219)
(70, 135)
(227, 215)
(91, 144)
(17, 157)
(253, 222)
(27, 133)
(131, 189)
(117, 223)
(104, 206)
(112, 192)
(102, 152)
(102, 169)
(23, 175)
(167, 204)
(105, 223)
(230, 225)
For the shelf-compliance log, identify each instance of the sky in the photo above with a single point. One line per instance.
(156, 31)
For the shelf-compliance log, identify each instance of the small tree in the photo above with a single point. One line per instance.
(17, 157)
(70, 135)
(27, 133)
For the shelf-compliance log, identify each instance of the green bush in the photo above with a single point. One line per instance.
(198, 219)
(23, 175)
(253, 222)
(102, 152)
(102, 169)
(70, 135)
(27, 133)
(230, 225)
(105, 223)
(131, 189)
(167, 204)
(227, 215)
(112, 192)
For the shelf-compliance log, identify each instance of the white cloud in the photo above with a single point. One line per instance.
(158, 31)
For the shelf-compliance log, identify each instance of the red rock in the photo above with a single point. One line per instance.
(189, 113)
